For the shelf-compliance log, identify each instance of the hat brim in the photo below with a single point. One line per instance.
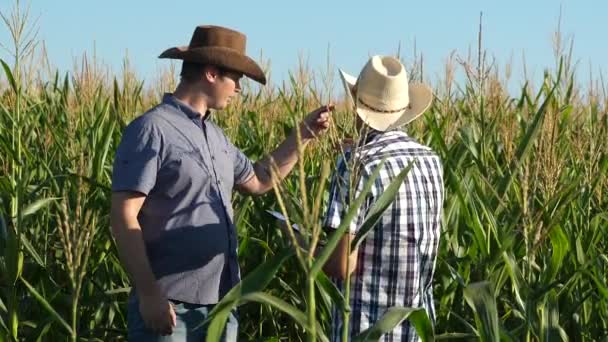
(420, 96)
(219, 56)
(348, 81)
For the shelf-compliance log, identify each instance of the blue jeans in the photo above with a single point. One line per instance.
(188, 324)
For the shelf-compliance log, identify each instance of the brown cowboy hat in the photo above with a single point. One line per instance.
(219, 46)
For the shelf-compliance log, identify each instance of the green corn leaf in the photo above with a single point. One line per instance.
(517, 279)
(14, 257)
(346, 220)
(25, 242)
(216, 326)
(481, 299)
(331, 290)
(600, 284)
(550, 330)
(240, 214)
(33, 207)
(3, 233)
(581, 256)
(279, 304)
(42, 331)
(106, 142)
(393, 317)
(46, 305)
(9, 76)
(455, 336)
(255, 281)
(559, 242)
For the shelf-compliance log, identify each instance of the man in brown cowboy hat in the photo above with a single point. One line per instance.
(173, 177)
(394, 264)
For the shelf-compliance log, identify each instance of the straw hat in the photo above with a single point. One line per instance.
(382, 95)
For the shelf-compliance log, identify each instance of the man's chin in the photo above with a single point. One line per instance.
(220, 106)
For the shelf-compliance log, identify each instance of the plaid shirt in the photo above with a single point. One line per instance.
(396, 261)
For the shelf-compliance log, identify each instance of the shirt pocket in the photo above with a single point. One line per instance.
(186, 175)
(193, 160)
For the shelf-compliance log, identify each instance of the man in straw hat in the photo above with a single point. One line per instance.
(174, 173)
(394, 264)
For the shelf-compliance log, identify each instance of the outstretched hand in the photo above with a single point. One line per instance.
(316, 122)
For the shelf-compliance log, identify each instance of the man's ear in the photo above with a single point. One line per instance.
(211, 73)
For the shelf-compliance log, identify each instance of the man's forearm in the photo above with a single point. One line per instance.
(132, 252)
(285, 156)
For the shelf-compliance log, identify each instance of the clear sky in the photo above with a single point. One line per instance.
(349, 30)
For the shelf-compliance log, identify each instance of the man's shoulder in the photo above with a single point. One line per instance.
(151, 120)
(395, 145)
(416, 148)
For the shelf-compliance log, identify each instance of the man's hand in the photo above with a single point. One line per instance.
(316, 122)
(286, 155)
(154, 307)
(157, 313)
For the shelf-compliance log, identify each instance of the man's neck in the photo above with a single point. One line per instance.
(364, 130)
(189, 96)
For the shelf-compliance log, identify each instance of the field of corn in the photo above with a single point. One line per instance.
(524, 250)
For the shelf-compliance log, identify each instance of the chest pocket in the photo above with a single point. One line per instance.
(186, 175)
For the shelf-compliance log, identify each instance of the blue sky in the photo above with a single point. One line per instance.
(350, 30)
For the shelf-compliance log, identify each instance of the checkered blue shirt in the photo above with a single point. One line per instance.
(396, 261)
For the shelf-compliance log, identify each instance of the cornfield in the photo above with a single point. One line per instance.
(523, 253)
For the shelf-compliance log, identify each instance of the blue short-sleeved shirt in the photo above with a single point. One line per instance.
(187, 167)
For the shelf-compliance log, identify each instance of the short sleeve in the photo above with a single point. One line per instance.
(137, 159)
(243, 167)
(339, 197)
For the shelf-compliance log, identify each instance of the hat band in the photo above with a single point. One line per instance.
(383, 110)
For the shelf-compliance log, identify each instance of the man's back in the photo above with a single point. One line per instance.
(396, 261)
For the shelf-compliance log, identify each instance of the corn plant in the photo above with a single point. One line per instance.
(522, 254)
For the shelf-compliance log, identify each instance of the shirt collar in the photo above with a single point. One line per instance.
(171, 100)
(370, 136)
(373, 136)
